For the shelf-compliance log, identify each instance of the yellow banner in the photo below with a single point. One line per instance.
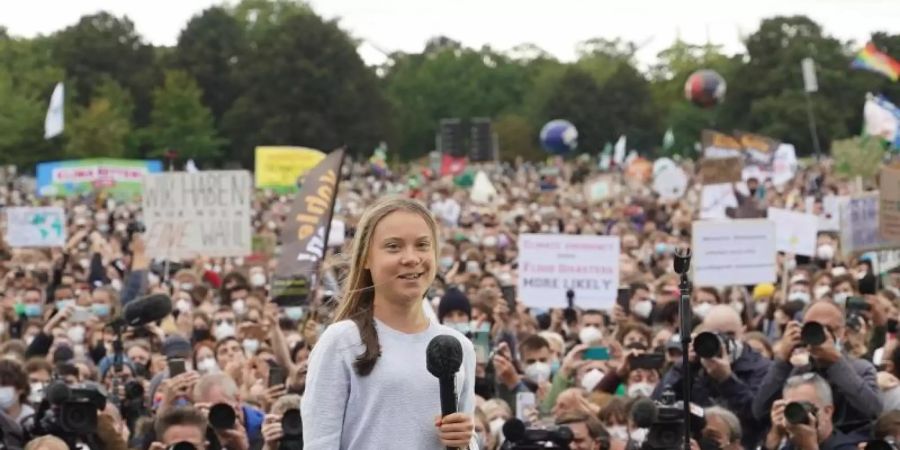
(279, 167)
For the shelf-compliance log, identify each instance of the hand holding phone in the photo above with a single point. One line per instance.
(596, 354)
(176, 367)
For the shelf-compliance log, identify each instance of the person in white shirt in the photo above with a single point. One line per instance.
(367, 384)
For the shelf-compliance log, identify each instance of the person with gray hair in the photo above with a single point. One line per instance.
(723, 427)
(803, 417)
(215, 388)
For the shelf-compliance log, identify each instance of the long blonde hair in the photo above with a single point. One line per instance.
(358, 293)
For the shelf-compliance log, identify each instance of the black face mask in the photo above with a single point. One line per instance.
(892, 325)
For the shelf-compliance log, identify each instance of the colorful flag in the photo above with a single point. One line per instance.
(452, 165)
(871, 59)
(881, 118)
(54, 121)
(303, 236)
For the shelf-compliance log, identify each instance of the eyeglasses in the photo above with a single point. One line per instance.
(224, 321)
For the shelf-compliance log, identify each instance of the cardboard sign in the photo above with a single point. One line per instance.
(721, 170)
(204, 213)
(279, 168)
(36, 227)
(552, 264)
(720, 145)
(734, 252)
(889, 214)
(859, 225)
(796, 231)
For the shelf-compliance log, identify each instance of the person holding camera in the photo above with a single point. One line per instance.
(803, 418)
(816, 347)
(724, 371)
(182, 425)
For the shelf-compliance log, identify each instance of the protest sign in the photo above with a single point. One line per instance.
(733, 252)
(721, 170)
(599, 189)
(796, 231)
(720, 145)
(669, 181)
(859, 225)
(204, 213)
(119, 177)
(279, 168)
(889, 211)
(715, 199)
(829, 216)
(758, 149)
(36, 227)
(552, 264)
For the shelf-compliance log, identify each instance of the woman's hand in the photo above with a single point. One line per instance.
(455, 430)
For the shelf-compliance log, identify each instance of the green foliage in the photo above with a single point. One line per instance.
(858, 156)
(103, 127)
(180, 121)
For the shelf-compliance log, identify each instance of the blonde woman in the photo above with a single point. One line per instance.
(367, 386)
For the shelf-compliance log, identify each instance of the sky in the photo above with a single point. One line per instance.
(557, 26)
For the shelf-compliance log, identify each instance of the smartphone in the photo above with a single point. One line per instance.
(509, 294)
(276, 375)
(525, 405)
(623, 296)
(176, 367)
(596, 354)
(482, 342)
(80, 315)
(857, 304)
(649, 361)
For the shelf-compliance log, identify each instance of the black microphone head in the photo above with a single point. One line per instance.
(57, 392)
(644, 413)
(682, 260)
(514, 430)
(443, 356)
(149, 308)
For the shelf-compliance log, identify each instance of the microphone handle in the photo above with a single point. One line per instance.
(448, 397)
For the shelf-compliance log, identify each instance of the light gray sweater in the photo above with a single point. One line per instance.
(394, 407)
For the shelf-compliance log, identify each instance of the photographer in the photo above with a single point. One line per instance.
(177, 425)
(587, 431)
(730, 379)
(273, 429)
(803, 418)
(853, 381)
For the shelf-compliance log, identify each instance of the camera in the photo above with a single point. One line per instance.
(222, 416)
(881, 444)
(813, 334)
(183, 445)
(797, 413)
(518, 437)
(69, 413)
(710, 345)
(665, 421)
(292, 430)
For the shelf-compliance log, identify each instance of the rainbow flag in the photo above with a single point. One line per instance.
(871, 59)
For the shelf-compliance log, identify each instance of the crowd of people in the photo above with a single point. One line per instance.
(242, 361)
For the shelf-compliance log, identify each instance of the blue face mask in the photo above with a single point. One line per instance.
(554, 367)
(62, 304)
(294, 313)
(661, 248)
(462, 327)
(446, 262)
(32, 310)
(100, 309)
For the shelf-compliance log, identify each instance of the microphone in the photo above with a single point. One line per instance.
(682, 260)
(644, 413)
(57, 392)
(146, 309)
(514, 430)
(442, 359)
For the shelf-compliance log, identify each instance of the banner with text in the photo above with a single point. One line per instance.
(734, 252)
(552, 264)
(303, 235)
(120, 177)
(721, 170)
(889, 211)
(859, 225)
(279, 168)
(204, 213)
(796, 231)
(36, 227)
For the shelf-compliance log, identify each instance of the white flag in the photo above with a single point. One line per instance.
(881, 118)
(53, 123)
(619, 153)
(191, 167)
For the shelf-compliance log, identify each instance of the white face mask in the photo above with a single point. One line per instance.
(538, 372)
(183, 305)
(76, 334)
(761, 308)
(821, 291)
(643, 309)
(116, 284)
(639, 435)
(591, 379)
(207, 365)
(803, 296)
(258, 279)
(37, 393)
(590, 335)
(7, 397)
(841, 298)
(225, 330)
(640, 389)
(825, 251)
(618, 432)
(152, 279)
(738, 306)
(497, 428)
(702, 310)
(186, 286)
(250, 346)
(239, 307)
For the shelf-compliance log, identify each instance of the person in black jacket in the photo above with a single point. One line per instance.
(730, 380)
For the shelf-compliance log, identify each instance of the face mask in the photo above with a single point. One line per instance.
(116, 284)
(661, 248)
(490, 241)
(207, 365)
(639, 435)
(618, 432)
(62, 304)
(186, 286)
(224, 330)
(841, 298)
(702, 309)
(590, 335)
(761, 308)
(183, 305)
(37, 393)
(84, 263)
(821, 291)
(446, 262)
(152, 279)
(29, 339)
(640, 389)
(554, 367)
(32, 310)
(7, 397)
(100, 309)
(239, 307)
(76, 334)
(294, 313)
(258, 279)
(462, 327)
(799, 295)
(590, 379)
(825, 252)
(643, 309)
(538, 372)
(738, 306)
(497, 427)
(250, 346)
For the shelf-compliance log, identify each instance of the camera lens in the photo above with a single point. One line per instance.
(878, 444)
(291, 424)
(221, 416)
(78, 416)
(183, 445)
(797, 413)
(813, 333)
(707, 345)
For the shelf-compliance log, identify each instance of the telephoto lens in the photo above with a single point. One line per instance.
(222, 417)
(707, 345)
(183, 445)
(797, 413)
(813, 334)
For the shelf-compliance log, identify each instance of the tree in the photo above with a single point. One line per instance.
(179, 120)
(518, 137)
(104, 126)
(578, 99)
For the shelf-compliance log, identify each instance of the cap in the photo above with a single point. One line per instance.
(674, 342)
(453, 300)
(763, 290)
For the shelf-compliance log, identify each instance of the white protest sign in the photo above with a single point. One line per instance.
(551, 264)
(733, 252)
(796, 231)
(715, 198)
(669, 181)
(829, 218)
(859, 225)
(204, 213)
(36, 227)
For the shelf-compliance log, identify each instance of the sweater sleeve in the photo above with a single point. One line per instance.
(859, 389)
(327, 392)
